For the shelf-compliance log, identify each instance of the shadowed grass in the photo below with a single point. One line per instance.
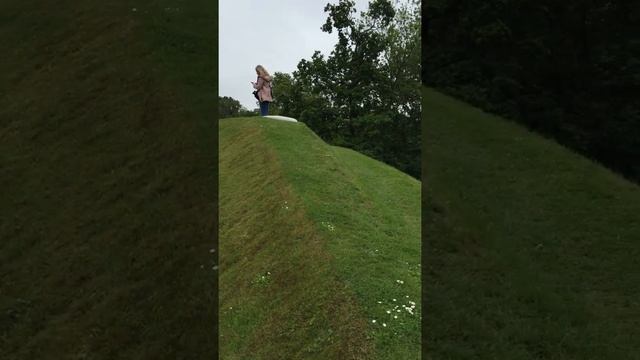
(342, 226)
(108, 181)
(532, 249)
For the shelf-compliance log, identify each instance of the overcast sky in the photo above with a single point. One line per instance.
(274, 33)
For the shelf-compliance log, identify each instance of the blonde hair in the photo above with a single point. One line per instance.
(262, 71)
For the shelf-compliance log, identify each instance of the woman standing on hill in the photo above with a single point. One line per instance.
(263, 89)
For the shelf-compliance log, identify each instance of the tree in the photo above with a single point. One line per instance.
(228, 107)
(567, 69)
(244, 112)
(366, 93)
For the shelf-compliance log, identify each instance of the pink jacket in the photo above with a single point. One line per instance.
(263, 85)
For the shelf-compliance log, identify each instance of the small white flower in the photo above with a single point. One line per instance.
(379, 302)
(230, 307)
(398, 310)
(388, 311)
(407, 296)
(383, 324)
(394, 299)
(395, 316)
(373, 321)
(212, 251)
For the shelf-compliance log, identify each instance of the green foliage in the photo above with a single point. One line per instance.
(372, 74)
(246, 113)
(228, 107)
(567, 69)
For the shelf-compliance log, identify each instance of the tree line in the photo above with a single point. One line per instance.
(567, 69)
(230, 107)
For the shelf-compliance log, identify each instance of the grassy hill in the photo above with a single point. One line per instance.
(317, 242)
(532, 251)
(107, 175)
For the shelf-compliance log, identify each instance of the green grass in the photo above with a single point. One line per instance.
(532, 251)
(331, 231)
(107, 175)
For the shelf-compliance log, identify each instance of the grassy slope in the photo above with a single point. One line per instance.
(533, 251)
(107, 179)
(331, 230)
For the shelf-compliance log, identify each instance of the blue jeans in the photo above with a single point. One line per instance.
(264, 108)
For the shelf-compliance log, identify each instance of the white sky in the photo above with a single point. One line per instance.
(274, 33)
